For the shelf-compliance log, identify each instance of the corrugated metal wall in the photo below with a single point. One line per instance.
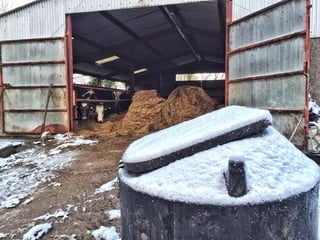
(244, 7)
(41, 20)
(28, 68)
(315, 19)
(75, 6)
(266, 56)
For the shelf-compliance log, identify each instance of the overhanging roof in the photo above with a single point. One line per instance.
(182, 38)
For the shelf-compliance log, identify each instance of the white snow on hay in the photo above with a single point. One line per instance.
(275, 170)
(106, 233)
(107, 186)
(190, 132)
(113, 214)
(37, 231)
(58, 214)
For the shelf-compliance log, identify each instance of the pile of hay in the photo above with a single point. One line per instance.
(185, 103)
(148, 112)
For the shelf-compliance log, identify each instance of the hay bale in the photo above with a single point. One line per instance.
(187, 102)
(144, 114)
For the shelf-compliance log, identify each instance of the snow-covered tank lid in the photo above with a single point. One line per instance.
(275, 170)
(209, 130)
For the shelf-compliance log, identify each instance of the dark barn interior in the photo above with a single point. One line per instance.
(147, 47)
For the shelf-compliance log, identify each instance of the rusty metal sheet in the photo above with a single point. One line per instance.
(279, 57)
(289, 93)
(31, 122)
(34, 99)
(33, 75)
(39, 51)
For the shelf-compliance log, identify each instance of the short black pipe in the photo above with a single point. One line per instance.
(235, 177)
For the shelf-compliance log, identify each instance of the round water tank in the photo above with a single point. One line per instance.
(188, 199)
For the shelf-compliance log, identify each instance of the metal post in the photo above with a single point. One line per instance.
(69, 71)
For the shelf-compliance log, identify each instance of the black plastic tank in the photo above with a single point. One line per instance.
(260, 187)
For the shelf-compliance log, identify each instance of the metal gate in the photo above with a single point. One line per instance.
(267, 61)
(29, 70)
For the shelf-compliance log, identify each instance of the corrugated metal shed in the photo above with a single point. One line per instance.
(242, 8)
(46, 18)
(36, 40)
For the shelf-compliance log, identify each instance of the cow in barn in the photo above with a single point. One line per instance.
(85, 107)
(100, 109)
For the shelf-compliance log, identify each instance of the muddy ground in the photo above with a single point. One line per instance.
(94, 166)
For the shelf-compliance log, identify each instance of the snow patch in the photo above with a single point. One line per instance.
(58, 214)
(21, 173)
(67, 140)
(37, 231)
(113, 214)
(107, 186)
(27, 201)
(106, 233)
(3, 235)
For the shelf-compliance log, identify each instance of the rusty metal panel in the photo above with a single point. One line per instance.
(30, 122)
(279, 21)
(33, 75)
(34, 99)
(277, 94)
(278, 57)
(51, 50)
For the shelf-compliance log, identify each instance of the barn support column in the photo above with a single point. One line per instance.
(69, 75)
(132, 81)
(167, 82)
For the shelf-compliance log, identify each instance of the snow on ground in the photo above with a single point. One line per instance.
(191, 132)
(37, 231)
(106, 233)
(23, 172)
(113, 214)
(107, 186)
(3, 235)
(58, 214)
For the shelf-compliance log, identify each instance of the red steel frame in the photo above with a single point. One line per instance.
(69, 71)
(305, 71)
(1, 92)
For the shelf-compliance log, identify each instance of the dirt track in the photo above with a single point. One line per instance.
(94, 166)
